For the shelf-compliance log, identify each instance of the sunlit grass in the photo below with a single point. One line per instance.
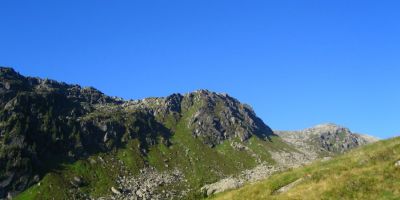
(364, 173)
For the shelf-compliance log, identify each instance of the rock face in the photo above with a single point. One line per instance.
(222, 117)
(321, 141)
(334, 138)
(213, 117)
(325, 138)
(260, 172)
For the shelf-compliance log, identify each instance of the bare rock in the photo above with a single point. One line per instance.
(397, 164)
(247, 176)
(238, 146)
(115, 191)
(289, 186)
(222, 185)
(77, 181)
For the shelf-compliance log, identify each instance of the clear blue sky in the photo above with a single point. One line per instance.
(298, 63)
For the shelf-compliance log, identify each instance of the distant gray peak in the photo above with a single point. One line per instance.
(328, 125)
(327, 128)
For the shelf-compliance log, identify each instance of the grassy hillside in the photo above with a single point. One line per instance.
(200, 164)
(365, 173)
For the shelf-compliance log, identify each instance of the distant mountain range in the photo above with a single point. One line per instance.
(62, 141)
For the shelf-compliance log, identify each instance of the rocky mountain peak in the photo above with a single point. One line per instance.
(329, 138)
(212, 117)
(327, 128)
(331, 128)
(217, 116)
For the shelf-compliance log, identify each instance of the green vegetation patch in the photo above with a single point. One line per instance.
(98, 174)
(365, 173)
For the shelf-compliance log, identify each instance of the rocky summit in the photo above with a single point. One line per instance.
(214, 117)
(63, 141)
(325, 138)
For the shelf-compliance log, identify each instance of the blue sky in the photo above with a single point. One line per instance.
(298, 63)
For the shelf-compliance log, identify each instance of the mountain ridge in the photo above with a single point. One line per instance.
(56, 134)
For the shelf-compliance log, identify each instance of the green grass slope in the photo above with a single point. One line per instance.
(365, 173)
(200, 164)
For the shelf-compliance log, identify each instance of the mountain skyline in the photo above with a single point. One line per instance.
(287, 125)
(224, 100)
(52, 133)
(298, 63)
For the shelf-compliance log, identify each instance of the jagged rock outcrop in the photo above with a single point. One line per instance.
(325, 139)
(221, 117)
(213, 117)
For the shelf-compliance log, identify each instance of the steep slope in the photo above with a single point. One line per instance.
(42, 126)
(67, 142)
(215, 117)
(320, 142)
(54, 134)
(370, 172)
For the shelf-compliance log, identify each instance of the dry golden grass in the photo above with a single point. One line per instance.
(365, 173)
